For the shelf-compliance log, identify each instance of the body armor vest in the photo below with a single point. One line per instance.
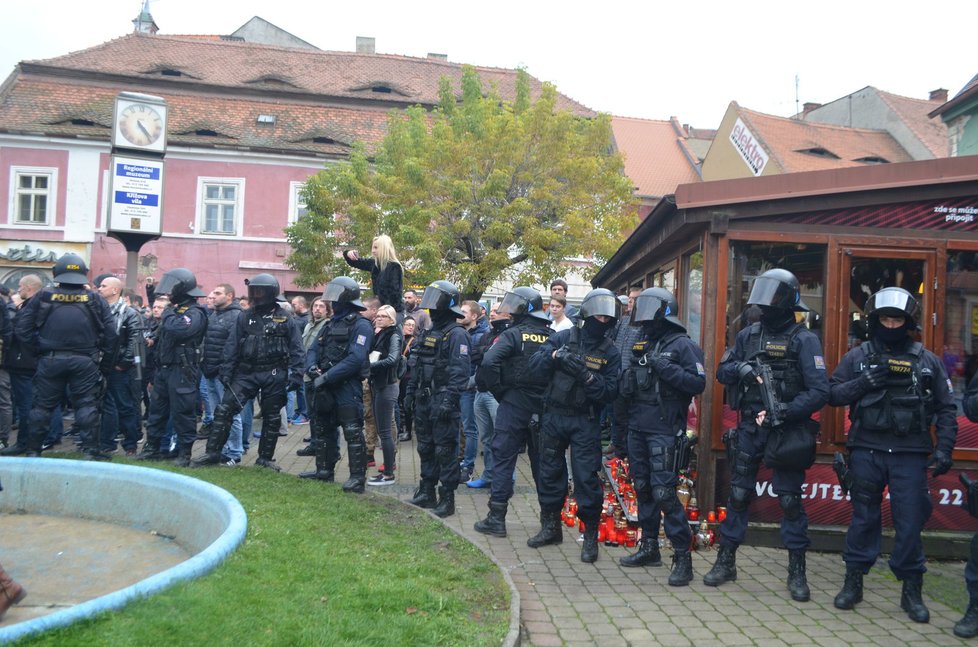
(265, 340)
(779, 352)
(186, 353)
(649, 389)
(902, 407)
(334, 340)
(565, 391)
(432, 362)
(516, 372)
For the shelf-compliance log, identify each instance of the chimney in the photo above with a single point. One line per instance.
(808, 106)
(939, 95)
(366, 45)
(438, 57)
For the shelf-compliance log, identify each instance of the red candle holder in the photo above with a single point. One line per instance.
(711, 517)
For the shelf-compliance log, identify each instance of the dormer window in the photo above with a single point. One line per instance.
(170, 72)
(83, 122)
(323, 140)
(819, 152)
(873, 159)
(272, 80)
(382, 89)
(204, 132)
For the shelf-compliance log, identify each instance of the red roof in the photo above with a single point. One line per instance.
(656, 157)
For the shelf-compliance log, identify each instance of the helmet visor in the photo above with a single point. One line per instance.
(167, 284)
(648, 308)
(333, 292)
(262, 295)
(514, 304)
(891, 300)
(768, 291)
(435, 299)
(601, 304)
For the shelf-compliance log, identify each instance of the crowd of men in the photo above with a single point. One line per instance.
(510, 379)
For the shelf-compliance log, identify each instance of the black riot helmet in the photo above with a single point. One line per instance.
(343, 289)
(178, 284)
(262, 290)
(892, 301)
(600, 301)
(777, 288)
(442, 296)
(70, 270)
(656, 304)
(521, 302)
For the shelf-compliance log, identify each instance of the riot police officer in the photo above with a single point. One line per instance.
(665, 372)
(441, 373)
(338, 361)
(178, 340)
(582, 367)
(72, 329)
(791, 357)
(967, 626)
(505, 372)
(262, 353)
(896, 390)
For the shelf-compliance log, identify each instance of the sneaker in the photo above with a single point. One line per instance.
(382, 470)
(300, 420)
(227, 461)
(49, 444)
(478, 483)
(383, 479)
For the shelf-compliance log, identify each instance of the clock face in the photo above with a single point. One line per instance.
(140, 124)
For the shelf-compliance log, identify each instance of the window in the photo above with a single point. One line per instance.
(297, 203)
(32, 196)
(220, 206)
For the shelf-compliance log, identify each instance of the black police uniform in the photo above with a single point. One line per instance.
(967, 626)
(71, 327)
(441, 373)
(889, 443)
(582, 379)
(665, 372)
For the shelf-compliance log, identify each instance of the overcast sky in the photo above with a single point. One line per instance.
(643, 58)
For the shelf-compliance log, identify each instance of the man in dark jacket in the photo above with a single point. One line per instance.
(119, 407)
(485, 404)
(221, 320)
(20, 360)
(476, 324)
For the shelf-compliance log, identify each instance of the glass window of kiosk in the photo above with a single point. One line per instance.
(692, 297)
(960, 352)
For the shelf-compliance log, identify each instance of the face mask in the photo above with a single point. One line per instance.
(891, 336)
(776, 318)
(655, 329)
(594, 329)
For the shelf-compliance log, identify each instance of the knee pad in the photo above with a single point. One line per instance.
(223, 413)
(790, 505)
(347, 416)
(740, 498)
(444, 454)
(86, 415)
(745, 464)
(666, 497)
(866, 493)
(353, 433)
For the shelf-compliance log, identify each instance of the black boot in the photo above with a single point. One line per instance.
(724, 569)
(308, 450)
(13, 450)
(219, 434)
(424, 496)
(266, 448)
(356, 449)
(967, 627)
(495, 522)
(797, 582)
(324, 470)
(446, 503)
(184, 450)
(911, 600)
(852, 589)
(682, 568)
(151, 451)
(589, 550)
(550, 530)
(648, 552)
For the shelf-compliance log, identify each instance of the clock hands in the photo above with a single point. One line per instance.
(142, 128)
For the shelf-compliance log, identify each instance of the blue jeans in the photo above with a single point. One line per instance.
(215, 392)
(119, 412)
(484, 409)
(290, 406)
(469, 428)
(207, 397)
(247, 417)
(22, 394)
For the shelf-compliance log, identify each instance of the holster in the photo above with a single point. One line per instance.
(971, 493)
(534, 437)
(840, 465)
(684, 451)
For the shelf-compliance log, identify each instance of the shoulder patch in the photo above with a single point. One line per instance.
(700, 369)
(361, 340)
(819, 362)
(463, 349)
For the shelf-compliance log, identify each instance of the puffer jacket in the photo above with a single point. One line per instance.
(219, 325)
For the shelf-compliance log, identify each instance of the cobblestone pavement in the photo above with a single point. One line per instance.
(566, 602)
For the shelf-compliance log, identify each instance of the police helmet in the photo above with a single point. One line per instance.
(523, 301)
(600, 301)
(71, 270)
(179, 283)
(893, 301)
(442, 295)
(343, 289)
(262, 289)
(656, 304)
(777, 288)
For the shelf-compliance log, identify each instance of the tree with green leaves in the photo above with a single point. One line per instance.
(475, 191)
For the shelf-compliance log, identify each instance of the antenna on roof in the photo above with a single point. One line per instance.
(797, 80)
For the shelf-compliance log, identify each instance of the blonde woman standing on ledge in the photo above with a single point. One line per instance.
(386, 273)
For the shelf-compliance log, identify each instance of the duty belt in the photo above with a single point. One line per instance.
(251, 368)
(68, 353)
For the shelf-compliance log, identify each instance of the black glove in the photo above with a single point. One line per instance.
(572, 364)
(409, 404)
(448, 406)
(941, 461)
(746, 372)
(661, 364)
(313, 372)
(874, 378)
(295, 382)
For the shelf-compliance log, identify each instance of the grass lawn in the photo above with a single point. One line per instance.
(318, 567)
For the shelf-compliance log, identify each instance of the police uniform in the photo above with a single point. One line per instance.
(338, 360)
(793, 354)
(582, 366)
(505, 373)
(664, 373)
(895, 390)
(175, 384)
(71, 327)
(441, 373)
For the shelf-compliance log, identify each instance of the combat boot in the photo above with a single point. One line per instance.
(268, 463)
(967, 627)
(424, 496)
(215, 443)
(358, 469)
(682, 568)
(911, 600)
(183, 455)
(151, 452)
(16, 449)
(308, 450)
(323, 471)
(589, 550)
(10, 592)
(550, 530)
(797, 581)
(648, 552)
(724, 569)
(495, 522)
(852, 589)
(446, 503)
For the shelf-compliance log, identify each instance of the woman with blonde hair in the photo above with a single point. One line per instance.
(385, 359)
(386, 273)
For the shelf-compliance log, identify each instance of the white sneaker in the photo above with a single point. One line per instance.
(382, 479)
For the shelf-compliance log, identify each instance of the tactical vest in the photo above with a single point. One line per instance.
(565, 391)
(649, 388)
(185, 353)
(334, 341)
(779, 351)
(902, 406)
(56, 297)
(516, 372)
(264, 342)
(432, 360)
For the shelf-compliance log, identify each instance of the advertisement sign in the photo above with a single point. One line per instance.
(747, 146)
(136, 195)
